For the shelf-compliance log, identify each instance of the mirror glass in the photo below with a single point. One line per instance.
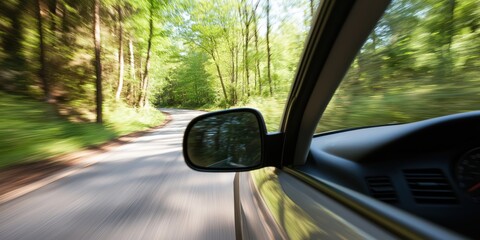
(226, 140)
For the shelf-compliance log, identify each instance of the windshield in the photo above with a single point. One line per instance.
(421, 61)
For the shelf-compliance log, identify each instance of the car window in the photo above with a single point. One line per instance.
(421, 61)
(288, 26)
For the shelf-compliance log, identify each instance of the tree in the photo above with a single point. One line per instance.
(42, 74)
(247, 16)
(133, 74)
(14, 62)
(257, 53)
(144, 81)
(206, 33)
(189, 84)
(269, 55)
(121, 64)
(98, 63)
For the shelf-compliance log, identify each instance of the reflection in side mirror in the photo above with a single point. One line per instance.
(230, 140)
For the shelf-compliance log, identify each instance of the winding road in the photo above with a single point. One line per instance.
(140, 190)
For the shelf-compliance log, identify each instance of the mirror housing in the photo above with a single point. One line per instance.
(227, 141)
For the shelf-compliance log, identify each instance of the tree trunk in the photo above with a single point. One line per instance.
(52, 7)
(121, 63)
(98, 64)
(232, 89)
(247, 72)
(257, 65)
(132, 94)
(242, 28)
(258, 77)
(11, 44)
(143, 93)
(247, 20)
(231, 49)
(220, 76)
(269, 55)
(141, 73)
(42, 73)
(132, 59)
(237, 53)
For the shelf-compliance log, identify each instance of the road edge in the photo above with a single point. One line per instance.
(79, 160)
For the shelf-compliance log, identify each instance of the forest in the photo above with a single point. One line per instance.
(84, 56)
(421, 61)
(98, 61)
(67, 65)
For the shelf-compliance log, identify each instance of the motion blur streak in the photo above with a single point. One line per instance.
(142, 190)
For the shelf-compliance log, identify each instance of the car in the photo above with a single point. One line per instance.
(414, 180)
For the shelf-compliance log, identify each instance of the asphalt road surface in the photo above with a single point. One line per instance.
(141, 190)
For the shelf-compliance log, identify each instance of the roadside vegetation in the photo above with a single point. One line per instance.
(421, 61)
(32, 130)
(76, 73)
(111, 61)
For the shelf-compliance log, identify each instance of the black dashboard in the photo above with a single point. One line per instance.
(429, 168)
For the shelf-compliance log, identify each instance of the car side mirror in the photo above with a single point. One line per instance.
(226, 141)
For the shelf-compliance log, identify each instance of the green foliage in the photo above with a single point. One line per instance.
(215, 54)
(231, 35)
(123, 119)
(189, 84)
(203, 54)
(32, 131)
(271, 108)
(420, 62)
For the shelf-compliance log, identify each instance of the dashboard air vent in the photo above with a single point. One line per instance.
(382, 189)
(429, 186)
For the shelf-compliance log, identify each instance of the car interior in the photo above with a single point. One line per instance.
(428, 168)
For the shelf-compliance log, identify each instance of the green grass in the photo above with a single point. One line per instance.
(32, 131)
(123, 119)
